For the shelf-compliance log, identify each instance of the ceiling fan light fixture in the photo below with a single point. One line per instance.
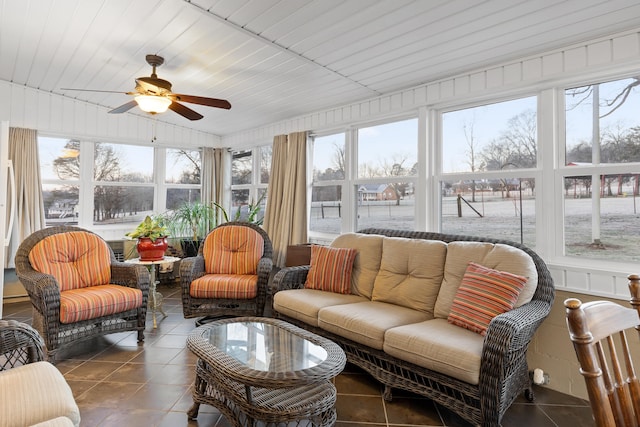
(153, 104)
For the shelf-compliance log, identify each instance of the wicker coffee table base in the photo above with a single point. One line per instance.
(312, 404)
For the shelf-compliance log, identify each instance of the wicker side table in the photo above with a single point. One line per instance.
(260, 369)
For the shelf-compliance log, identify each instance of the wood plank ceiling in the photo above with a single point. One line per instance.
(276, 59)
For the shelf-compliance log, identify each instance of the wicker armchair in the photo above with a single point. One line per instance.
(54, 297)
(230, 275)
(28, 381)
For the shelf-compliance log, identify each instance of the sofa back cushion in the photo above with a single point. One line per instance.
(367, 262)
(76, 259)
(411, 272)
(496, 256)
(233, 249)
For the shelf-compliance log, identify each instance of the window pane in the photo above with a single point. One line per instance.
(383, 206)
(119, 204)
(176, 197)
(610, 234)
(241, 168)
(388, 150)
(183, 166)
(59, 158)
(265, 164)
(490, 137)
(239, 199)
(60, 204)
(498, 208)
(617, 131)
(122, 163)
(326, 209)
(328, 157)
(261, 206)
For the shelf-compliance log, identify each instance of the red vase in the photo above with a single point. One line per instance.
(151, 250)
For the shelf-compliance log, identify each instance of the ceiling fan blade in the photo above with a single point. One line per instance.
(209, 102)
(124, 107)
(96, 90)
(185, 111)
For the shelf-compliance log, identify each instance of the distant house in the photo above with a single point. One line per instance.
(63, 208)
(376, 192)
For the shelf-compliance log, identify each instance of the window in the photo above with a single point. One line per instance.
(265, 164)
(602, 159)
(182, 178)
(115, 186)
(131, 167)
(250, 172)
(484, 186)
(387, 170)
(241, 167)
(328, 180)
(60, 174)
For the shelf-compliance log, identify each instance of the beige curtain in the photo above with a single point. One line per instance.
(23, 152)
(216, 172)
(285, 219)
(208, 175)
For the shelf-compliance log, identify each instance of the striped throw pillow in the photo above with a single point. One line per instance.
(483, 294)
(330, 269)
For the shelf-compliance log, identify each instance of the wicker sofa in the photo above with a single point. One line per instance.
(401, 334)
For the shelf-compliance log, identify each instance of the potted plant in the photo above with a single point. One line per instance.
(251, 216)
(192, 221)
(152, 239)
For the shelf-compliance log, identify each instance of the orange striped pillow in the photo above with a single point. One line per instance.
(330, 269)
(233, 249)
(76, 259)
(483, 294)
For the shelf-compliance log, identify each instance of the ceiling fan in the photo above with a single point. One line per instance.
(153, 95)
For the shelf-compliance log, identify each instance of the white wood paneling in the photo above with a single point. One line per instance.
(522, 73)
(57, 115)
(278, 59)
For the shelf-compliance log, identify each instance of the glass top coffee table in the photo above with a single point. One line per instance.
(261, 369)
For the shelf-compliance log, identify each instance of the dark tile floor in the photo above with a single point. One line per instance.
(119, 383)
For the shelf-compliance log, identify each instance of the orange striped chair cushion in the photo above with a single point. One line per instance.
(330, 269)
(233, 249)
(76, 259)
(231, 286)
(97, 301)
(483, 294)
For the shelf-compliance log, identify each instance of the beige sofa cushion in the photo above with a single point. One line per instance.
(304, 304)
(366, 322)
(367, 263)
(36, 393)
(439, 346)
(411, 272)
(56, 422)
(497, 256)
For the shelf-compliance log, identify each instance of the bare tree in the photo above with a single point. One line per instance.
(521, 138)
(395, 167)
(194, 158)
(67, 166)
(338, 159)
(467, 128)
